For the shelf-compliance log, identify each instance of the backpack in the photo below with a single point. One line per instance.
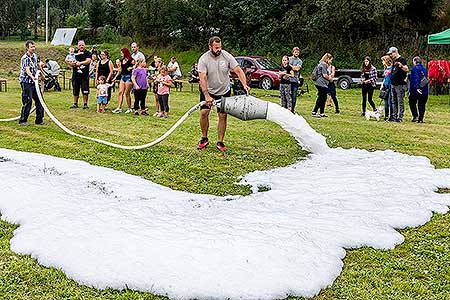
(315, 73)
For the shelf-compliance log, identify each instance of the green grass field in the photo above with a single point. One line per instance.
(417, 269)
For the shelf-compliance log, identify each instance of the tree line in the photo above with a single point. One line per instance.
(347, 28)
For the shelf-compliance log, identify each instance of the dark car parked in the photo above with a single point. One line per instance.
(262, 71)
(346, 77)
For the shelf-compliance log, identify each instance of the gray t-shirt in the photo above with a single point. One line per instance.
(295, 62)
(217, 69)
(137, 55)
(322, 69)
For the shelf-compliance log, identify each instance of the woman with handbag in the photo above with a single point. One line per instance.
(418, 90)
(385, 89)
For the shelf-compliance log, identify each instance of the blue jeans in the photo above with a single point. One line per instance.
(332, 92)
(388, 108)
(294, 88)
(29, 93)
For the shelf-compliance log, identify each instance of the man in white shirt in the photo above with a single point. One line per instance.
(174, 68)
(174, 71)
(135, 53)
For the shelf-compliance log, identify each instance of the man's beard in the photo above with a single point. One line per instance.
(217, 53)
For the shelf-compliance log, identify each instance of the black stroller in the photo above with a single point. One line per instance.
(51, 72)
(237, 87)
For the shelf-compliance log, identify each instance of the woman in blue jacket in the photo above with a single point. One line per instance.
(387, 80)
(418, 90)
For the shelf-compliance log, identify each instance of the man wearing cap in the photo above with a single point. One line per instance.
(95, 51)
(296, 63)
(135, 53)
(399, 87)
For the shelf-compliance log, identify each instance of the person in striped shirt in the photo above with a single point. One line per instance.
(28, 74)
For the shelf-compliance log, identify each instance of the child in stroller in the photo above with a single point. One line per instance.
(236, 84)
(51, 71)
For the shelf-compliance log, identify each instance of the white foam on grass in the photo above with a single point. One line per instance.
(105, 228)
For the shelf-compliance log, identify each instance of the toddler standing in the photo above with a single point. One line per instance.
(102, 93)
(164, 82)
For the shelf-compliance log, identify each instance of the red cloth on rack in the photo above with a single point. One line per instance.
(438, 72)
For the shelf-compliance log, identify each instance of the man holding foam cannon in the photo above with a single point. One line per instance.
(214, 71)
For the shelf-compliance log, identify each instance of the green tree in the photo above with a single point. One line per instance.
(97, 13)
(79, 20)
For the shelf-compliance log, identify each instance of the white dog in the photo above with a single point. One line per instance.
(374, 114)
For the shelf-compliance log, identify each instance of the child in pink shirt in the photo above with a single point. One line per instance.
(164, 83)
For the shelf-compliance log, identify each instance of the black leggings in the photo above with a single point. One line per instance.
(164, 102)
(321, 99)
(139, 98)
(367, 90)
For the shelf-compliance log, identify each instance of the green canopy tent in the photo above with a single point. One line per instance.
(441, 38)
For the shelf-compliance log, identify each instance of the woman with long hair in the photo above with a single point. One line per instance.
(387, 74)
(332, 86)
(321, 80)
(368, 82)
(105, 68)
(125, 85)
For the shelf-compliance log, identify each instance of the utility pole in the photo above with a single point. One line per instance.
(46, 21)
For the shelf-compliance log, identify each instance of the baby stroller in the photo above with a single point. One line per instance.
(301, 91)
(237, 87)
(51, 72)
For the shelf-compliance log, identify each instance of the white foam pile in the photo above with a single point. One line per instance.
(105, 228)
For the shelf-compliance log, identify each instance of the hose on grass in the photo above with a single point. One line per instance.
(125, 147)
(16, 118)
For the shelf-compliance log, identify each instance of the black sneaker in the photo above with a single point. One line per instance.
(203, 143)
(85, 106)
(74, 105)
(23, 124)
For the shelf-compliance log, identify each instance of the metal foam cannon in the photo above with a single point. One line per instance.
(243, 107)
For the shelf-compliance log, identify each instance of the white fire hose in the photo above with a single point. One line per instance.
(244, 107)
(16, 118)
(60, 125)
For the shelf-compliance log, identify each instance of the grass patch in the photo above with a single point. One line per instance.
(417, 269)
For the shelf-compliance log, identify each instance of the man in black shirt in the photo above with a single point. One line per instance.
(80, 80)
(399, 87)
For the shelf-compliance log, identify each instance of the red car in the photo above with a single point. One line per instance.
(262, 71)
